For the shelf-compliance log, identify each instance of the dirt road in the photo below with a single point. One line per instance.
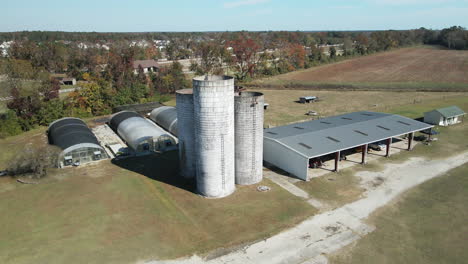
(313, 239)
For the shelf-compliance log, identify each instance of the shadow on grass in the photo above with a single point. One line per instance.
(162, 167)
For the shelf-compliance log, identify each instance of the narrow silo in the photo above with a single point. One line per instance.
(185, 132)
(213, 100)
(248, 109)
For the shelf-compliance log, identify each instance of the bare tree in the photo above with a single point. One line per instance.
(34, 160)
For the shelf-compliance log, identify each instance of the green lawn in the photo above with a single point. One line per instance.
(427, 225)
(130, 211)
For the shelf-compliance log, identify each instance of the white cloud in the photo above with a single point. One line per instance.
(243, 3)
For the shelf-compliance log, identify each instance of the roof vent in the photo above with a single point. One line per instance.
(305, 145)
(333, 139)
(404, 123)
(388, 129)
(360, 132)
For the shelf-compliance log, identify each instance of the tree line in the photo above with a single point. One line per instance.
(107, 77)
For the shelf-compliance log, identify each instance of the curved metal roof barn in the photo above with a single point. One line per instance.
(140, 133)
(166, 117)
(76, 140)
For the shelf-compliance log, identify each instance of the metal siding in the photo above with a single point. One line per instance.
(285, 158)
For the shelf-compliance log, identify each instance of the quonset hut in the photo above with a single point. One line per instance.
(166, 117)
(78, 143)
(141, 134)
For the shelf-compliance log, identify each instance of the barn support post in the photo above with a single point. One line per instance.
(337, 159)
(410, 141)
(364, 153)
(389, 142)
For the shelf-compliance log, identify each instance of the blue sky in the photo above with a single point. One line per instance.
(211, 15)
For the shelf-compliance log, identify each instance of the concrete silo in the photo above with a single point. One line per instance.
(166, 117)
(248, 109)
(185, 132)
(213, 100)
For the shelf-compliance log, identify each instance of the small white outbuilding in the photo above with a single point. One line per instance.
(444, 116)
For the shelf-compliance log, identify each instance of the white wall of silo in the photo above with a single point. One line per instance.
(248, 108)
(185, 132)
(213, 99)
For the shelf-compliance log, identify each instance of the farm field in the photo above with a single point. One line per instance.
(416, 68)
(285, 109)
(426, 225)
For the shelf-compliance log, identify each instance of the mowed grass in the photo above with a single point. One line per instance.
(133, 210)
(285, 109)
(417, 68)
(427, 225)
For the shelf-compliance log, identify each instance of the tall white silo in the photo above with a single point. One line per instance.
(213, 100)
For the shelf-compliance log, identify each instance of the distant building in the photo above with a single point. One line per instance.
(444, 116)
(307, 99)
(68, 81)
(147, 65)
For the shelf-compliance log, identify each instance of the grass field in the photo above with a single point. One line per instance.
(132, 210)
(284, 109)
(427, 225)
(419, 68)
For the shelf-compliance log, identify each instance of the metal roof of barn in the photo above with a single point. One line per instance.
(328, 135)
(450, 111)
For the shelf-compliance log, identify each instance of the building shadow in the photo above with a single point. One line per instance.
(278, 170)
(162, 167)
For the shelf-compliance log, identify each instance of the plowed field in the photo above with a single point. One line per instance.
(422, 64)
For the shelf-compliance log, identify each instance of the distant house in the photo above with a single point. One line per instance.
(68, 81)
(444, 116)
(147, 65)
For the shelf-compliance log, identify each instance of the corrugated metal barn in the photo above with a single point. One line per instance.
(291, 147)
